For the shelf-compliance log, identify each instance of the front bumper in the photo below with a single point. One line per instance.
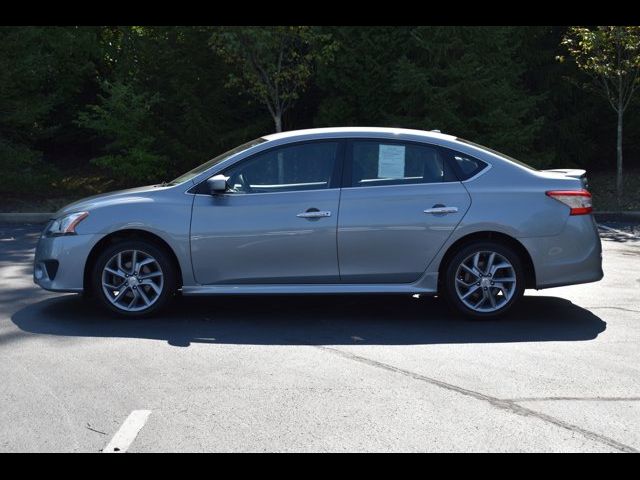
(59, 261)
(574, 256)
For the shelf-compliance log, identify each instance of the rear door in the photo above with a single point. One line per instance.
(400, 202)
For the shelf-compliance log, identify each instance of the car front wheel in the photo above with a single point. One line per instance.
(484, 280)
(133, 278)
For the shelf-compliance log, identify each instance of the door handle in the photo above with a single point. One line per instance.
(314, 214)
(441, 210)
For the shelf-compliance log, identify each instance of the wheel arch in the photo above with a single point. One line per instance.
(488, 235)
(128, 234)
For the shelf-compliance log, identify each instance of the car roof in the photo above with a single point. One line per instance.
(346, 131)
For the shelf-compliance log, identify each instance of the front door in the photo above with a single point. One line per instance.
(399, 204)
(276, 224)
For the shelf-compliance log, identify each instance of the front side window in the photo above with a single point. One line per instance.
(376, 163)
(220, 158)
(307, 166)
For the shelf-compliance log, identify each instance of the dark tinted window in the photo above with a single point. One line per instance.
(376, 163)
(307, 166)
(465, 165)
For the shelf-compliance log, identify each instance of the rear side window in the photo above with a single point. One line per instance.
(465, 165)
(377, 163)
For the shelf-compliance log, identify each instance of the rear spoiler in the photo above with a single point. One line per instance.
(573, 173)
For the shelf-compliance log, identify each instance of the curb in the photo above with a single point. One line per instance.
(26, 217)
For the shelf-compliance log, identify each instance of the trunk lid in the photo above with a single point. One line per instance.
(572, 173)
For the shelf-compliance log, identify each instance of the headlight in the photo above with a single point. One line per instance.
(66, 225)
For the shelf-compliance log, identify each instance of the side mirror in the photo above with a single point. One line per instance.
(217, 184)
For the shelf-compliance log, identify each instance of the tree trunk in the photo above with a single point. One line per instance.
(277, 118)
(619, 157)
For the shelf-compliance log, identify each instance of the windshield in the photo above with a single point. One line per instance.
(206, 165)
(500, 154)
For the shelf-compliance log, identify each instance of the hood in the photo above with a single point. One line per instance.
(110, 198)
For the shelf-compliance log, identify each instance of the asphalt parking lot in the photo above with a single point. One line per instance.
(322, 373)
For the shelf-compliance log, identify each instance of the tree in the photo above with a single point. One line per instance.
(610, 55)
(123, 119)
(273, 64)
(197, 118)
(467, 81)
(357, 88)
(43, 71)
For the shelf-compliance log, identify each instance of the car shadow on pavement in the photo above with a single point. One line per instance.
(313, 320)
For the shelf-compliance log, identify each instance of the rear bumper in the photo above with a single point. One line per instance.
(574, 256)
(59, 262)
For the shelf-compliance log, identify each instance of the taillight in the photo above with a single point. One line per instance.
(579, 201)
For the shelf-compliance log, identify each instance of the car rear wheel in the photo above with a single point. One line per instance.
(134, 278)
(484, 280)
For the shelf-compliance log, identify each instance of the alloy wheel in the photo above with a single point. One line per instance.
(485, 281)
(132, 280)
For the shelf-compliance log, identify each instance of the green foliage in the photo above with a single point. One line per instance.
(41, 68)
(469, 80)
(42, 72)
(272, 64)
(123, 118)
(21, 168)
(134, 164)
(197, 117)
(464, 80)
(610, 50)
(356, 89)
(611, 56)
(122, 105)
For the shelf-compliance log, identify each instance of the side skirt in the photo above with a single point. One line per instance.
(305, 289)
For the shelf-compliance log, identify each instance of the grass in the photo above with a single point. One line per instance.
(71, 188)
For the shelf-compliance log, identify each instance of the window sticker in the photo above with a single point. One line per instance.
(391, 161)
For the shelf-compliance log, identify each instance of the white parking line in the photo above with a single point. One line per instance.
(128, 432)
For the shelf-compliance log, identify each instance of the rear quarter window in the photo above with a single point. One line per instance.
(465, 165)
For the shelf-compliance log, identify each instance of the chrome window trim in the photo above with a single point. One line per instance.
(480, 173)
(263, 193)
(403, 185)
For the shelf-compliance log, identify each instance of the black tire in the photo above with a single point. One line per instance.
(164, 261)
(448, 286)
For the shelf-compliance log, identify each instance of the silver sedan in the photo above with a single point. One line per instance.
(335, 210)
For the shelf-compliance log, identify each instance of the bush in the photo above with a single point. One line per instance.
(23, 169)
(124, 118)
(133, 165)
